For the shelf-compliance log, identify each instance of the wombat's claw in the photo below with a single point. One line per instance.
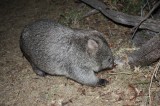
(102, 82)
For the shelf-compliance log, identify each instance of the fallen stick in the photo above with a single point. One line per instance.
(122, 18)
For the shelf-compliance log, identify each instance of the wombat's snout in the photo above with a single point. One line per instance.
(108, 63)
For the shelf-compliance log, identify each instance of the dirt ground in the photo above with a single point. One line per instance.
(20, 86)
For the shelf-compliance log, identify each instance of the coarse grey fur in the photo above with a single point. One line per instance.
(59, 50)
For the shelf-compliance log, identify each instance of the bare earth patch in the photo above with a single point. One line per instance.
(20, 86)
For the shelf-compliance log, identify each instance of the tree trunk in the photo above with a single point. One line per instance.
(147, 54)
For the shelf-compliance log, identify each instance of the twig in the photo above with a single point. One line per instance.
(122, 18)
(149, 7)
(142, 8)
(147, 4)
(122, 73)
(142, 82)
(92, 12)
(154, 73)
(147, 16)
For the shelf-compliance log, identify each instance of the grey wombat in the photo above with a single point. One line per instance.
(58, 50)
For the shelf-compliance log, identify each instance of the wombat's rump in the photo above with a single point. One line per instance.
(58, 50)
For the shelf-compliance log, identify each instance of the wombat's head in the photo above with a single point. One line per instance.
(98, 54)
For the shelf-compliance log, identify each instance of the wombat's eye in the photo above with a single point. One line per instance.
(109, 59)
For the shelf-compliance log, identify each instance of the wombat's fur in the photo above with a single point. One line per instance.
(58, 50)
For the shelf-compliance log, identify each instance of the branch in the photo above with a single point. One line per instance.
(147, 16)
(123, 18)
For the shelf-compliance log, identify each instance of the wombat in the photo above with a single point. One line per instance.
(54, 49)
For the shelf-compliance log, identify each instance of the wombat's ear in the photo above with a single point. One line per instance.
(92, 47)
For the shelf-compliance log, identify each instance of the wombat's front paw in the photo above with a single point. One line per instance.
(102, 82)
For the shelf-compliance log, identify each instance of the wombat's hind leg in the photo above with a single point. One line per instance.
(35, 69)
(38, 71)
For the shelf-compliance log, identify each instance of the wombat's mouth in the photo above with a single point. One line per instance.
(109, 67)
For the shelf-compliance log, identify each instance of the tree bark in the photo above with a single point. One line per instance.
(123, 18)
(147, 54)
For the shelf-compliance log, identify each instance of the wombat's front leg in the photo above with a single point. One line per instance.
(86, 77)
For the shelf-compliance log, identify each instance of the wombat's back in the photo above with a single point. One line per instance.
(45, 44)
(45, 27)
